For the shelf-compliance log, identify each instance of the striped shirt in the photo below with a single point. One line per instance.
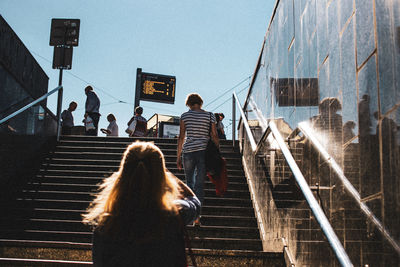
(197, 125)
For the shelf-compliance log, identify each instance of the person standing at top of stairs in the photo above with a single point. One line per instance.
(137, 125)
(195, 125)
(68, 119)
(92, 107)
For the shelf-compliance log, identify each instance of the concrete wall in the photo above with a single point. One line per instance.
(336, 65)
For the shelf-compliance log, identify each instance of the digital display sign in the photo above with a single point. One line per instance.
(64, 32)
(157, 88)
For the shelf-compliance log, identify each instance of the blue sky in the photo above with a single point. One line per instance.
(209, 45)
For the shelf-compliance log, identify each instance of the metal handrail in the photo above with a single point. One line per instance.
(19, 111)
(304, 128)
(326, 227)
(246, 124)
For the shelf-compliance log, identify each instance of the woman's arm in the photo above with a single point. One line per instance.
(181, 139)
(189, 206)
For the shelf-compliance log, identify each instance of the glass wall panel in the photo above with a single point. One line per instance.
(345, 12)
(386, 52)
(323, 64)
(364, 29)
(322, 30)
(349, 89)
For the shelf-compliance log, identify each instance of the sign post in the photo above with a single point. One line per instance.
(64, 34)
(138, 86)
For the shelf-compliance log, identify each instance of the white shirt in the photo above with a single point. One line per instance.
(113, 128)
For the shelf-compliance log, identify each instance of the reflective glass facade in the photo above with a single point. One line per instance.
(334, 64)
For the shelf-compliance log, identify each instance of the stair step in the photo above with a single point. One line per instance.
(227, 243)
(32, 230)
(123, 144)
(78, 226)
(109, 168)
(114, 163)
(42, 193)
(196, 242)
(74, 188)
(22, 210)
(83, 204)
(41, 262)
(204, 257)
(82, 180)
(129, 139)
(118, 156)
(120, 150)
(234, 177)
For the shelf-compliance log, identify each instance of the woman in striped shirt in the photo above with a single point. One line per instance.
(195, 125)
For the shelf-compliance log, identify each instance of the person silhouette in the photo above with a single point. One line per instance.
(140, 212)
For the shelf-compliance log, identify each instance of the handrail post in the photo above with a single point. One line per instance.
(233, 120)
(246, 124)
(59, 105)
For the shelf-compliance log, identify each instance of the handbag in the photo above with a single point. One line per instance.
(213, 157)
(131, 127)
(89, 124)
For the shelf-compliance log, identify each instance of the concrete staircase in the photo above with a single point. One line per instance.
(43, 222)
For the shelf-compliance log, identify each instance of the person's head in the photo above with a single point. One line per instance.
(349, 125)
(72, 106)
(365, 97)
(138, 110)
(221, 116)
(329, 105)
(217, 118)
(376, 115)
(194, 99)
(111, 117)
(88, 89)
(140, 191)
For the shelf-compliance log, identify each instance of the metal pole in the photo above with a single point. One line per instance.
(59, 105)
(233, 121)
(138, 84)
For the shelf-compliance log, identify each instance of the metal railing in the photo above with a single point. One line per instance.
(40, 99)
(307, 131)
(326, 227)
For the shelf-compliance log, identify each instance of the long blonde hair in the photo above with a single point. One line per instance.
(139, 195)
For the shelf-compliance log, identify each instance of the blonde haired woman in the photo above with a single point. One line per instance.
(139, 213)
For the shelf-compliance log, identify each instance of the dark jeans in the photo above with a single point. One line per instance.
(95, 117)
(195, 171)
